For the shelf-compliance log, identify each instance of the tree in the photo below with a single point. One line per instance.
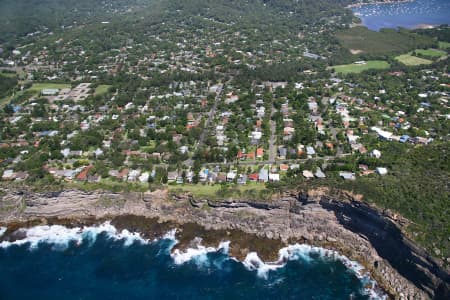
(8, 109)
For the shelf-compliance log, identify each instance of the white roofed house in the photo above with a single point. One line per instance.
(98, 152)
(172, 176)
(231, 175)
(375, 153)
(310, 151)
(221, 138)
(263, 175)
(382, 171)
(49, 92)
(319, 173)
(144, 177)
(214, 88)
(133, 175)
(260, 111)
(347, 175)
(9, 175)
(231, 98)
(274, 177)
(255, 137)
(84, 125)
(65, 152)
(352, 139)
(308, 174)
(189, 176)
(242, 179)
(386, 135)
(129, 105)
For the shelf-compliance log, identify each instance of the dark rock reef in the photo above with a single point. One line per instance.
(337, 221)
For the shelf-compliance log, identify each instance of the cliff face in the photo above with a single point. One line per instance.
(338, 222)
(384, 235)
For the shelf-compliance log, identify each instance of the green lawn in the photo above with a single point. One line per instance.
(35, 90)
(8, 82)
(354, 68)
(107, 184)
(102, 89)
(38, 87)
(444, 45)
(430, 52)
(410, 60)
(4, 101)
(382, 42)
(7, 74)
(150, 147)
(211, 191)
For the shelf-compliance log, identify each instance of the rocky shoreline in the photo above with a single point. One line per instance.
(338, 222)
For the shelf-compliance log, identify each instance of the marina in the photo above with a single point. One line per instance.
(409, 14)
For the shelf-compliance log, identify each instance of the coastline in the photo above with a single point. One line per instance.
(378, 3)
(313, 217)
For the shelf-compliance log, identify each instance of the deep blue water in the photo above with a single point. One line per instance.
(108, 268)
(407, 15)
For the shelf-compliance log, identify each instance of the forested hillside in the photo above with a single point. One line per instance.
(19, 18)
(23, 17)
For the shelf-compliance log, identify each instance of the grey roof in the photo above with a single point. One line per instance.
(319, 173)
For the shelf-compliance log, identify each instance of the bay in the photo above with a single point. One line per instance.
(413, 14)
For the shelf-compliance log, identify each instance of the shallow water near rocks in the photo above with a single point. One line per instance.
(55, 262)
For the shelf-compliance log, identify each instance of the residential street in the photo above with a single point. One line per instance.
(273, 137)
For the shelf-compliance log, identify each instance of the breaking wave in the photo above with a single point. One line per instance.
(61, 238)
(2, 231)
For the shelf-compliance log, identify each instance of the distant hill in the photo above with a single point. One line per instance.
(19, 18)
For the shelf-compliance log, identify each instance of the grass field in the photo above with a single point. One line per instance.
(430, 52)
(211, 192)
(38, 87)
(444, 45)
(362, 40)
(102, 89)
(410, 60)
(107, 184)
(7, 74)
(354, 68)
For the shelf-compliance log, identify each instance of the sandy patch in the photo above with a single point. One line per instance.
(356, 51)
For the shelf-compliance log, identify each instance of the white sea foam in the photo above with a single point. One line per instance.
(301, 251)
(198, 254)
(170, 235)
(2, 231)
(224, 247)
(253, 262)
(60, 236)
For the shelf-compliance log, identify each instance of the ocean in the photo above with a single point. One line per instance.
(407, 14)
(98, 262)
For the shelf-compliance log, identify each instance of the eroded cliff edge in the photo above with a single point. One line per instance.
(336, 221)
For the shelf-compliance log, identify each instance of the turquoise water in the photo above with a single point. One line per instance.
(407, 15)
(100, 263)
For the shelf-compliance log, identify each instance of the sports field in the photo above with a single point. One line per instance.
(410, 60)
(385, 41)
(444, 45)
(102, 89)
(38, 87)
(358, 68)
(430, 52)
